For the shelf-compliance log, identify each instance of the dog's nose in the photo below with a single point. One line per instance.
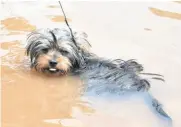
(53, 63)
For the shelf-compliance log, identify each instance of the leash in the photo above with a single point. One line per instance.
(65, 19)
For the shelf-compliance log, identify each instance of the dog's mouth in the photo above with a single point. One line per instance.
(54, 70)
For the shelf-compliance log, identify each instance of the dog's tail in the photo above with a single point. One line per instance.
(157, 106)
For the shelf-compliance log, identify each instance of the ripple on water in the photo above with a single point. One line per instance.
(167, 14)
(57, 18)
(53, 6)
(16, 25)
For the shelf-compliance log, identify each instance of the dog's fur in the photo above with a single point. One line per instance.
(75, 58)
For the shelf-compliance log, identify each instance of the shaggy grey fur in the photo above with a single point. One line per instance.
(99, 74)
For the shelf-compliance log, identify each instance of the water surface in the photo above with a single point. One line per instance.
(148, 32)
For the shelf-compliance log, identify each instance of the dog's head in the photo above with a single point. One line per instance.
(54, 52)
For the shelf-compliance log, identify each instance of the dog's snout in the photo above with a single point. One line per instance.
(53, 63)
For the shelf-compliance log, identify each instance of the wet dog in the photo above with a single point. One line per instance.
(53, 52)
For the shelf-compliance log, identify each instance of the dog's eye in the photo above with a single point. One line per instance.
(64, 52)
(45, 50)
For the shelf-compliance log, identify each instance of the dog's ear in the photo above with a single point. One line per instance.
(81, 41)
(31, 37)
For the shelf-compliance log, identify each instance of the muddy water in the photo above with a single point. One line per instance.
(153, 37)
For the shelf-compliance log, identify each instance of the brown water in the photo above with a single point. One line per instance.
(30, 99)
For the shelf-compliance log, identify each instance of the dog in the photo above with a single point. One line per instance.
(53, 52)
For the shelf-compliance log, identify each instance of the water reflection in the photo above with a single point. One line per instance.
(166, 14)
(58, 18)
(17, 24)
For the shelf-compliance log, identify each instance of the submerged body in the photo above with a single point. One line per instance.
(54, 52)
(117, 77)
